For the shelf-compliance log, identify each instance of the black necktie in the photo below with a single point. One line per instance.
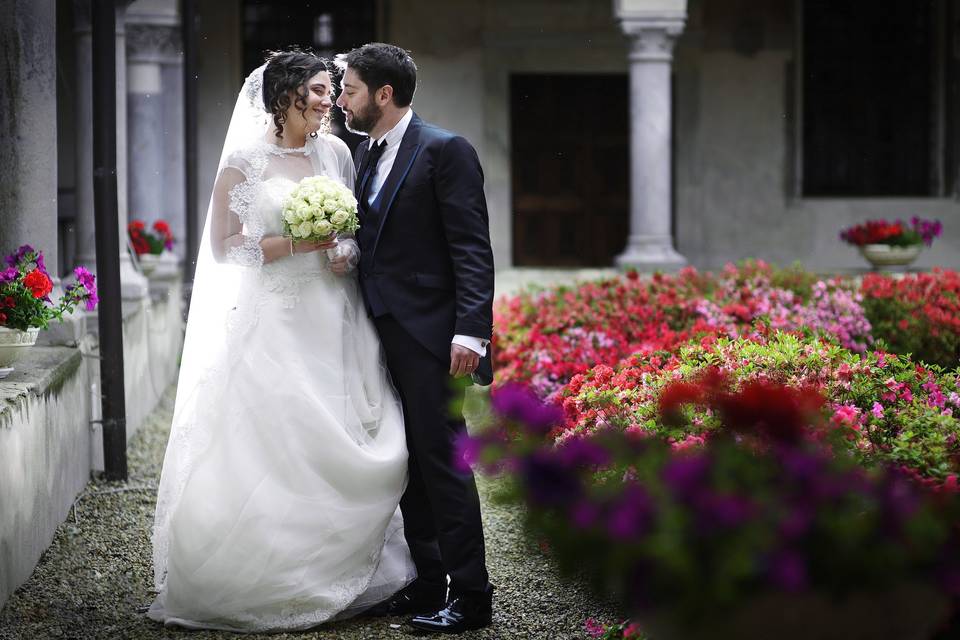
(368, 170)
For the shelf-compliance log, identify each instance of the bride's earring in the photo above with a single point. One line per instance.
(313, 134)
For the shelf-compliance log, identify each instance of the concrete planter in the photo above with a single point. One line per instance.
(13, 343)
(884, 255)
(163, 265)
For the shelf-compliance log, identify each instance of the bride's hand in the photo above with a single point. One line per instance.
(308, 246)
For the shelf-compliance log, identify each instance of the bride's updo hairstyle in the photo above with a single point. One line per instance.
(288, 71)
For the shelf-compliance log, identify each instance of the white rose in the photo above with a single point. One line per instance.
(295, 231)
(339, 217)
(290, 216)
(304, 211)
(330, 205)
(322, 228)
(306, 228)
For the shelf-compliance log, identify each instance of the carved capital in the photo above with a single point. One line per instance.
(652, 39)
(153, 43)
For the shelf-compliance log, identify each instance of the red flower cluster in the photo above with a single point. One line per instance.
(872, 232)
(7, 302)
(137, 231)
(38, 283)
(162, 228)
(153, 242)
(918, 314)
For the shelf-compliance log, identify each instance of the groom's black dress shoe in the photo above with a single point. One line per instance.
(413, 599)
(462, 613)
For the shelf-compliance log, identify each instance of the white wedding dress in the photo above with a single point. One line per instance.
(277, 506)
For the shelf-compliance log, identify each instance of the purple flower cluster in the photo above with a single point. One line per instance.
(928, 229)
(837, 311)
(9, 275)
(832, 310)
(27, 258)
(85, 288)
(516, 402)
(643, 514)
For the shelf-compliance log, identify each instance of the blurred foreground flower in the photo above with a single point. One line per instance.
(758, 532)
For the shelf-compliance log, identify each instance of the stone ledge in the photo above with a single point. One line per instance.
(42, 370)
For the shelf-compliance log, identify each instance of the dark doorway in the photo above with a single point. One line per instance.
(570, 168)
(325, 26)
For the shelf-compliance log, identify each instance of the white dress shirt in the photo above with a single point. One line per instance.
(393, 139)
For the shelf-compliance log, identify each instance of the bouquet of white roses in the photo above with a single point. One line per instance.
(318, 208)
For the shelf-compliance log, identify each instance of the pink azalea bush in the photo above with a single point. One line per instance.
(889, 409)
(917, 314)
(544, 338)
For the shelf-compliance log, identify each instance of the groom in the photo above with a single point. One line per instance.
(426, 272)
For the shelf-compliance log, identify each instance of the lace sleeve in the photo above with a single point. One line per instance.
(235, 234)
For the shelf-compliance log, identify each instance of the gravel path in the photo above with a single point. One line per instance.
(96, 576)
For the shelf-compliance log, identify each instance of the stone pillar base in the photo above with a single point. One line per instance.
(651, 253)
(67, 333)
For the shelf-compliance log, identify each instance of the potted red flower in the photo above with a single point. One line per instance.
(885, 243)
(25, 304)
(150, 244)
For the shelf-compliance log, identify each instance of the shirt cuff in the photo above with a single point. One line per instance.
(477, 345)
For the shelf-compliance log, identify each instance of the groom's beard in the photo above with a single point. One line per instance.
(364, 121)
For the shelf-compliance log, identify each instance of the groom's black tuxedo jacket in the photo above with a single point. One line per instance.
(425, 242)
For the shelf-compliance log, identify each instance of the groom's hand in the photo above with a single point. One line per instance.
(340, 264)
(463, 361)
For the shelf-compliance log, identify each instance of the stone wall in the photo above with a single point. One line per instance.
(734, 155)
(734, 171)
(49, 439)
(44, 455)
(465, 67)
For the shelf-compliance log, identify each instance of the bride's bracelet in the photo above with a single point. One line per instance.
(291, 246)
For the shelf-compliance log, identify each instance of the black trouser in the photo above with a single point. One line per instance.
(441, 508)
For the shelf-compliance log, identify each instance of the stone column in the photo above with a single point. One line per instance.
(652, 28)
(133, 284)
(155, 108)
(86, 250)
(28, 134)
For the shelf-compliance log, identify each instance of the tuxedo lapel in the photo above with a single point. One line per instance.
(406, 155)
(359, 163)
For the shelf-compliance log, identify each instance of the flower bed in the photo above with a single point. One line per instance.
(716, 444)
(544, 338)
(889, 409)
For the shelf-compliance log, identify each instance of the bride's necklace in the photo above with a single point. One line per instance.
(284, 150)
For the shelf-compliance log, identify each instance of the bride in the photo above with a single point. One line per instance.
(277, 505)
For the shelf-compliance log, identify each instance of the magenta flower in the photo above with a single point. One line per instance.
(593, 628)
(630, 515)
(515, 402)
(8, 275)
(788, 571)
(466, 452)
